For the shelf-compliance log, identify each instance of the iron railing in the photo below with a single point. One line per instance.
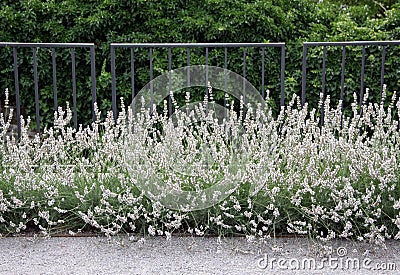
(188, 47)
(206, 49)
(53, 47)
(344, 46)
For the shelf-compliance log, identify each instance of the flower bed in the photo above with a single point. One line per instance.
(286, 175)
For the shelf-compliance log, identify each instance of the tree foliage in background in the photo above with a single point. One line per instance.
(374, 8)
(105, 21)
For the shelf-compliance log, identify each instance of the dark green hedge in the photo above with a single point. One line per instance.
(105, 21)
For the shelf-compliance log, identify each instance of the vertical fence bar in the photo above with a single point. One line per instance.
(188, 70)
(323, 85)
(343, 74)
(324, 72)
(225, 79)
(151, 80)
(303, 75)
(113, 83)
(74, 88)
(132, 63)
(383, 71)
(133, 78)
(342, 84)
(36, 83)
(263, 76)
(17, 98)
(54, 67)
(362, 76)
(169, 82)
(244, 77)
(283, 62)
(207, 94)
(93, 79)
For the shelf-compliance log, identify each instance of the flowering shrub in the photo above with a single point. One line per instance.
(281, 175)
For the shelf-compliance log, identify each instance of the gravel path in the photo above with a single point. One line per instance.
(186, 255)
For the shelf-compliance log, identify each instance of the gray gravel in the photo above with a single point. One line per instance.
(187, 255)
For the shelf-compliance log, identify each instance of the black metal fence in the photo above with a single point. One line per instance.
(52, 47)
(341, 57)
(240, 57)
(207, 50)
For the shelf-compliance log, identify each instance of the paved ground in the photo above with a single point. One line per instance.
(186, 255)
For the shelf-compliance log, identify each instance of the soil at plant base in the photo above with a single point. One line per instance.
(194, 255)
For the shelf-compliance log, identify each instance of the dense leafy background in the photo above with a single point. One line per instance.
(105, 21)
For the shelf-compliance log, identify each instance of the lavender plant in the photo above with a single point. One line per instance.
(284, 175)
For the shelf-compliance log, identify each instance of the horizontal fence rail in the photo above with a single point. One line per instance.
(344, 47)
(190, 46)
(53, 48)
